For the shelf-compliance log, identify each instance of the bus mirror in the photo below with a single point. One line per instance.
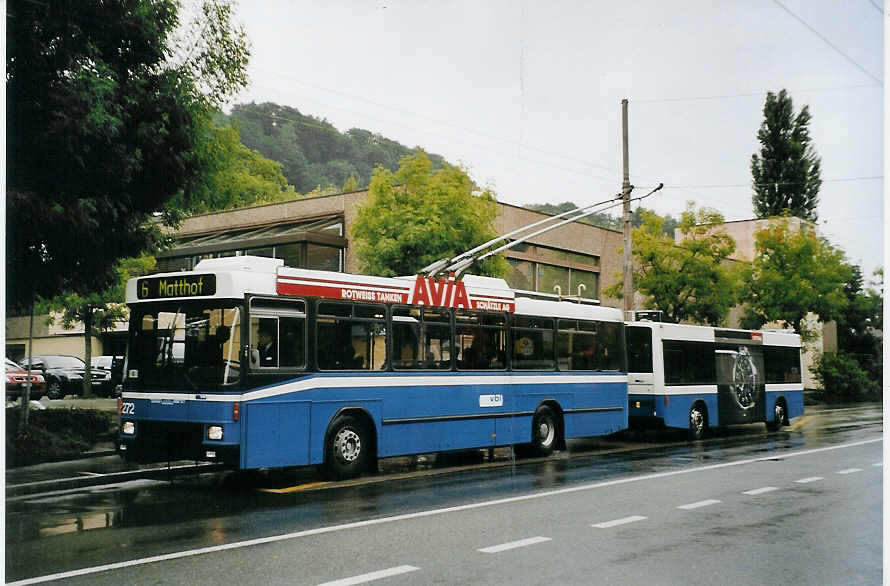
(254, 358)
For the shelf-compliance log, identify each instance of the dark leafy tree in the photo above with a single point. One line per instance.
(787, 172)
(104, 101)
(104, 98)
(858, 326)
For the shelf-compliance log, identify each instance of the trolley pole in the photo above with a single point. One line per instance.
(625, 193)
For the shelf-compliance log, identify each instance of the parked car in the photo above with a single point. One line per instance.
(113, 365)
(64, 375)
(17, 378)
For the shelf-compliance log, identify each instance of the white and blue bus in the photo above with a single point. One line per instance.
(696, 377)
(258, 365)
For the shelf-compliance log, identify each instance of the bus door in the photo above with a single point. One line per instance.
(740, 382)
(640, 372)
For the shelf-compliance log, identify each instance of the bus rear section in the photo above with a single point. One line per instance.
(696, 377)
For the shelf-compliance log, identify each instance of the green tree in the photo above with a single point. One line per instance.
(842, 378)
(417, 215)
(98, 311)
(234, 175)
(350, 185)
(692, 280)
(787, 173)
(858, 324)
(105, 99)
(794, 273)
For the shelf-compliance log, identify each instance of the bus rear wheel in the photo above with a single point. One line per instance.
(347, 448)
(698, 421)
(780, 417)
(545, 431)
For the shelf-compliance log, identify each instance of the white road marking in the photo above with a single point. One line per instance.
(617, 522)
(756, 491)
(91, 473)
(699, 504)
(809, 479)
(849, 470)
(878, 464)
(371, 576)
(514, 544)
(421, 514)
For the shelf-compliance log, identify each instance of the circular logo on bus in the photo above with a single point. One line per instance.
(744, 376)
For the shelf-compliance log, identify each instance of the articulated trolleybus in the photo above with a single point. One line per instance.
(693, 377)
(258, 365)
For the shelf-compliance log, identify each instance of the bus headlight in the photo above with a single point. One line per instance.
(128, 428)
(215, 432)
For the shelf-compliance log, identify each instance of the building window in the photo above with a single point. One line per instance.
(325, 258)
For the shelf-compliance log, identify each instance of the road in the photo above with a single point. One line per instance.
(801, 505)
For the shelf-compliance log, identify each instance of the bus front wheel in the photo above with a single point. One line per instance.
(346, 452)
(698, 421)
(544, 431)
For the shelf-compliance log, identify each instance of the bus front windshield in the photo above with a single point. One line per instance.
(187, 346)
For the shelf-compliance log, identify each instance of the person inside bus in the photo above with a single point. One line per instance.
(267, 346)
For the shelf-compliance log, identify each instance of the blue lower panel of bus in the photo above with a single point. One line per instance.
(671, 410)
(275, 435)
(286, 424)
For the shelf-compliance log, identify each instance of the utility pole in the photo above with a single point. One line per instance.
(625, 194)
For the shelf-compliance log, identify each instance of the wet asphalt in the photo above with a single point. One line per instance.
(67, 529)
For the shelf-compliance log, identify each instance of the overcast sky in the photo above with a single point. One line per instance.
(526, 95)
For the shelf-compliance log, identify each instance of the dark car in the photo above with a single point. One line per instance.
(17, 378)
(64, 375)
(113, 365)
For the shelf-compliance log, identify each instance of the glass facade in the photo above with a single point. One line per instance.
(542, 276)
(296, 243)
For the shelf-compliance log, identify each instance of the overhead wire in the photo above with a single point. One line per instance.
(827, 42)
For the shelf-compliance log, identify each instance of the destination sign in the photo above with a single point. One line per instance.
(178, 286)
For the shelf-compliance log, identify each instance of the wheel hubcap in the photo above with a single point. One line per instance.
(347, 445)
(697, 419)
(546, 432)
(780, 415)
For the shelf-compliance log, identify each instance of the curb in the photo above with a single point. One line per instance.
(114, 477)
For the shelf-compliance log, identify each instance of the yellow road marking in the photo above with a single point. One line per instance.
(801, 421)
(297, 488)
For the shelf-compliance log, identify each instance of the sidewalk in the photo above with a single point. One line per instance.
(98, 467)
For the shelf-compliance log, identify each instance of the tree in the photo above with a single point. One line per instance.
(787, 173)
(794, 273)
(416, 216)
(234, 175)
(105, 99)
(858, 323)
(98, 311)
(692, 280)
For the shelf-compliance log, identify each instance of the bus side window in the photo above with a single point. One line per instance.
(639, 349)
(277, 333)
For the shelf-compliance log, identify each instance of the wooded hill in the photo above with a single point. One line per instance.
(312, 152)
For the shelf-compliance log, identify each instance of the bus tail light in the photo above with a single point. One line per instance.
(120, 406)
(667, 400)
(236, 411)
